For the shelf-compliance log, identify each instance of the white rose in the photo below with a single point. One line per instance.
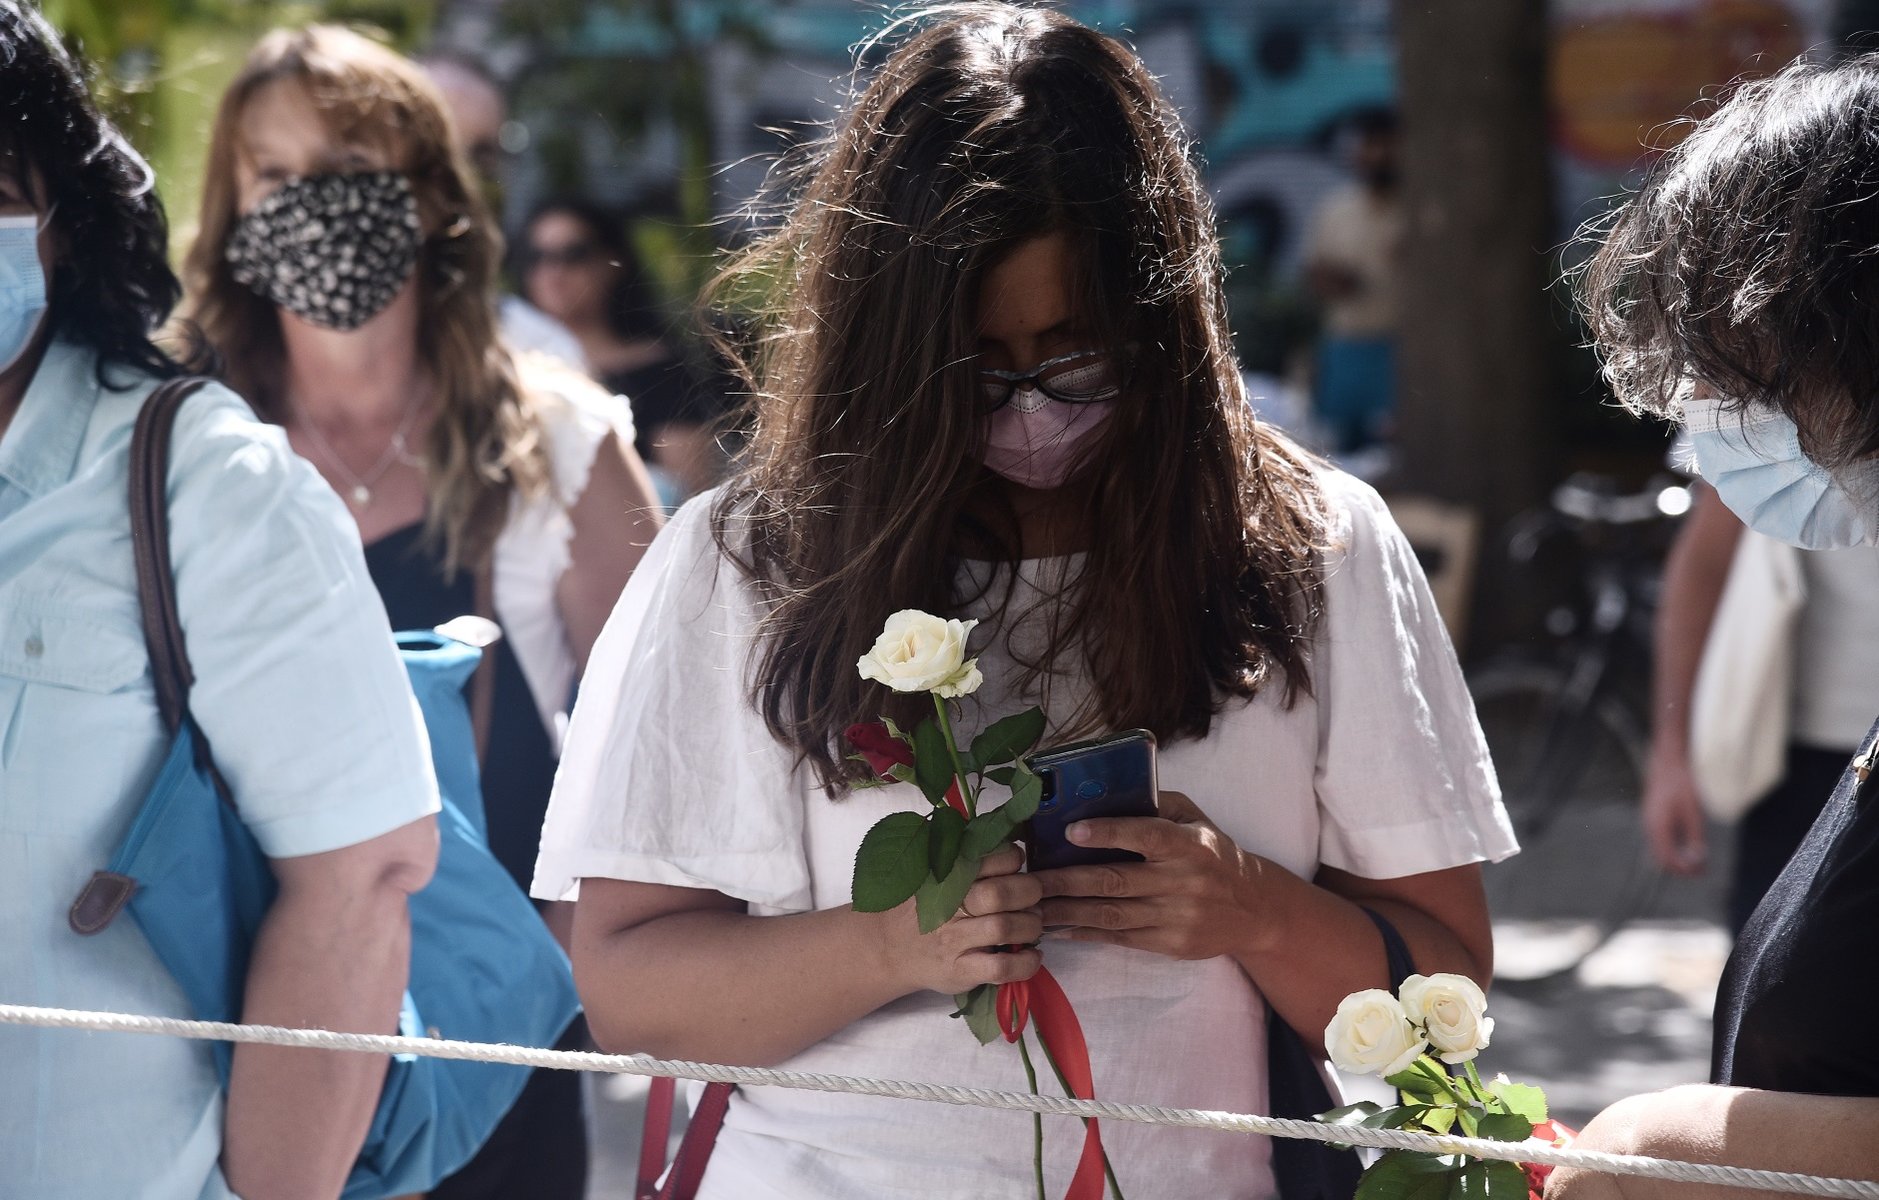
(1371, 1035)
(919, 652)
(1452, 1011)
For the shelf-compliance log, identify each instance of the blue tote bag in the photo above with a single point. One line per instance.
(483, 966)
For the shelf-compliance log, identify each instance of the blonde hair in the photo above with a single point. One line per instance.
(485, 443)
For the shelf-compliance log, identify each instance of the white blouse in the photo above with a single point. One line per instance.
(671, 777)
(531, 552)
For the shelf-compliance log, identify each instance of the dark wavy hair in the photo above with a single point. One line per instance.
(112, 286)
(631, 310)
(989, 126)
(1748, 261)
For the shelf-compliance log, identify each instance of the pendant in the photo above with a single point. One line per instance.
(361, 495)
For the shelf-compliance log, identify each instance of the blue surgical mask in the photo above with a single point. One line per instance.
(1754, 461)
(22, 286)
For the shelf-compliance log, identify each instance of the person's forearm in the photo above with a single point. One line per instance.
(1695, 572)
(1312, 948)
(1836, 1136)
(296, 1118)
(726, 987)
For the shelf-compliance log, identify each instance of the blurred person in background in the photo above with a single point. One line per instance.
(297, 684)
(344, 270)
(578, 266)
(1736, 292)
(1352, 264)
(478, 113)
(1831, 700)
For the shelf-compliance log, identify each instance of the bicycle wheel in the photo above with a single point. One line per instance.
(1572, 779)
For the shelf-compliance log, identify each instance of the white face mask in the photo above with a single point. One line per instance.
(22, 286)
(1755, 462)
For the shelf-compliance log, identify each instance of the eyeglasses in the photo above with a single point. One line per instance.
(1081, 377)
(574, 254)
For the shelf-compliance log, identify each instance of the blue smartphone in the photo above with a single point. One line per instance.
(1111, 776)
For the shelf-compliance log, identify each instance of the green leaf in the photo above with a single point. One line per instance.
(1469, 1183)
(1351, 1114)
(895, 731)
(1396, 1118)
(937, 900)
(1438, 1119)
(1004, 740)
(1027, 788)
(932, 765)
(1469, 1120)
(1506, 1181)
(979, 1008)
(1407, 1175)
(1520, 1098)
(1001, 775)
(891, 863)
(1417, 1083)
(1504, 1127)
(943, 845)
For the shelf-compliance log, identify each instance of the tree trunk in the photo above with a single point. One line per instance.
(1479, 345)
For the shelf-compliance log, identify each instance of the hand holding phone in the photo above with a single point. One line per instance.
(1107, 777)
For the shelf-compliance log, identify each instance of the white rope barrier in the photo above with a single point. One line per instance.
(1189, 1118)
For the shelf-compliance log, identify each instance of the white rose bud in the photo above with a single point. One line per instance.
(919, 652)
(1371, 1035)
(1452, 1011)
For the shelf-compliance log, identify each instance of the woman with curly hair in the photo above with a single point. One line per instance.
(297, 684)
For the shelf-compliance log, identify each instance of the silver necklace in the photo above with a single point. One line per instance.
(358, 492)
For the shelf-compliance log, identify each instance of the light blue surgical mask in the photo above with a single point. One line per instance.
(22, 286)
(1754, 461)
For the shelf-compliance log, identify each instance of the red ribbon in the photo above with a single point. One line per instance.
(1041, 996)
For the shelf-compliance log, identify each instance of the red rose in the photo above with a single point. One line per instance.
(884, 751)
(1560, 1137)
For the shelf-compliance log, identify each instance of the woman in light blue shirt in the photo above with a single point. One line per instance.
(298, 688)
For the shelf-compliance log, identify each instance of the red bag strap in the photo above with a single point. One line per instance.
(701, 1136)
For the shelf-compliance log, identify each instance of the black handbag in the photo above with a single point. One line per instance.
(1306, 1170)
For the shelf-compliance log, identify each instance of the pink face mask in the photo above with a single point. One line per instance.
(1037, 442)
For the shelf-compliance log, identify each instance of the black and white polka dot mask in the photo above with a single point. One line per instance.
(332, 249)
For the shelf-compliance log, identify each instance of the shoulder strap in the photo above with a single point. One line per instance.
(150, 542)
(701, 1136)
(1395, 950)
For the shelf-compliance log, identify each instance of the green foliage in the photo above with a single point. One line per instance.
(1519, 1098)
(990, 830)
(1004, 740)
(932, 764)
(1409, 1175)
(892, 863)
(979, 1008)
(938, 899)
(1504, 1127)
(949, 828)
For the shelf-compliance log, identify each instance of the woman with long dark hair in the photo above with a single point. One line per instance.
(297, 685)
(993, 381)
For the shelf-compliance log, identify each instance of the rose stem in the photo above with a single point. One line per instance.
(1109, 1172)
(1037, 1119)
(952, 748)
(1480, 1089)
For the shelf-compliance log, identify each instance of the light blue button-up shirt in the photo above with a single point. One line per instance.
(298, 689)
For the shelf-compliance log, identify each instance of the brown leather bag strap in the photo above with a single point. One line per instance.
(150, 543)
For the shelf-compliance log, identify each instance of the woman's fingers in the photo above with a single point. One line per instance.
(1019, 928)
(1001, 893)
(984, 966)
(1007, 861)
(1097, 914)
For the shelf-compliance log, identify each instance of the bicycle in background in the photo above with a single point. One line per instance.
(1567, 727)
